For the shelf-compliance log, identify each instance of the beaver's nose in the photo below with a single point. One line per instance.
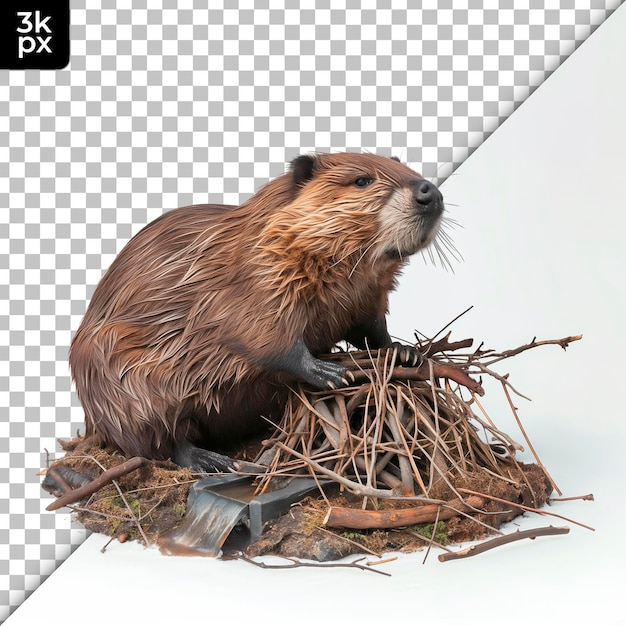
(428, 198)
(426, 192)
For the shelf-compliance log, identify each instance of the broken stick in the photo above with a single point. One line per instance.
(75, 495)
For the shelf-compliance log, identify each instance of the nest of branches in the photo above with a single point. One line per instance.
(410, 445)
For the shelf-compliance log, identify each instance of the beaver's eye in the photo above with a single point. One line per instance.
(363, 181)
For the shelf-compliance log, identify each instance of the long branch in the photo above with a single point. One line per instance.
(563, 342)
(478, 548)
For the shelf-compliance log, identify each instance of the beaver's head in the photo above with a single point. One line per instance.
(357, 204)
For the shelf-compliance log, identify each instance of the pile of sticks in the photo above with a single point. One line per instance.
(398, 432)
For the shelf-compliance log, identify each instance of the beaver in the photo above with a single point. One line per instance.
(211, 311)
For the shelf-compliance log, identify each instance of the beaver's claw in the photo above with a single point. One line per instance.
(328, 375)
(407, 355)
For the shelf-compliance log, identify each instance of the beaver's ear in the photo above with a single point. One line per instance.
(395, 158)
(302, 169)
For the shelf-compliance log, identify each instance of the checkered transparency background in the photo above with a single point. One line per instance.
(165, 107)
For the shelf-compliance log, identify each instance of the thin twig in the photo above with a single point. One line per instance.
(293, 563)
(432, 537)
(502, 378)
(134, 518)
(360, 546)
(525, 508)
(460, 315)
(588, 496)
(527, 438)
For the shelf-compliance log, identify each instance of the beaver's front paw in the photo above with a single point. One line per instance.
(299, 362)
(328, 375)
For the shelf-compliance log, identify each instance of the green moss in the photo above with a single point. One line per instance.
(352, 535)
(133, 504)
(440, 534)
(180, 509)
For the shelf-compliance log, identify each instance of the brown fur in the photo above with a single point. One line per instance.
(178, 337)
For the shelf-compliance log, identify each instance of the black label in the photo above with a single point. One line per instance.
(34, 35)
